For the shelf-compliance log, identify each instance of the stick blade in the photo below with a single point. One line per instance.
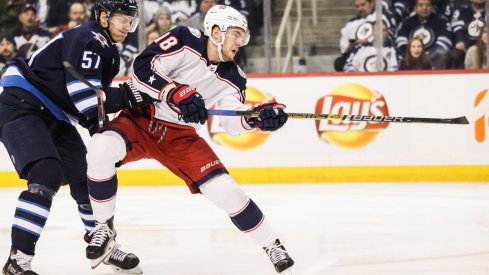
(481, 109)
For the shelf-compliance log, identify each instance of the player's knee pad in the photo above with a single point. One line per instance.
(45, 175)
(225, 193)
(104, 151)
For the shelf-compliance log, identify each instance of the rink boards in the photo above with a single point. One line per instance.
(334, 151)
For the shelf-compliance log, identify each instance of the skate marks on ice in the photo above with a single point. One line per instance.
(333, 229)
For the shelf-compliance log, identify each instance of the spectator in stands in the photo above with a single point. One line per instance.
(197, 20)
(403, 8)
(358, 31)
(416, 58)
(364, 57)
(161, 21)
(8, 51)
(76, 14)
(29, 36)
(181, 9)
(88, 4)
(467, 23)
(434, 30)
(9, 10)
(151, 37)
(476, 57)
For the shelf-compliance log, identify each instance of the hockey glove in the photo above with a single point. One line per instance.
(272, 117)
(190, 103)
(133, 98)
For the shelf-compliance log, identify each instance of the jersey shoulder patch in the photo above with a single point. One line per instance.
(100, 38)
(190, 37)
(197, 33)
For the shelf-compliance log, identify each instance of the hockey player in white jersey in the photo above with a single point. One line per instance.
(187, 71)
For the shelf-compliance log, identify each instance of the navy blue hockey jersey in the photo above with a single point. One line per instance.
(92, 54)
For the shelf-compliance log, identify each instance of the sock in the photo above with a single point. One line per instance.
(103, 198)
(30, 217)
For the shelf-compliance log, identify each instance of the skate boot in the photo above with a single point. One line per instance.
(123, 262)
(279, 256)
(119, 260)
(102, 242)
(18, 263)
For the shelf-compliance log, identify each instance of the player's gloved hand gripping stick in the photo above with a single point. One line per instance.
(133, 98)
(100, 93)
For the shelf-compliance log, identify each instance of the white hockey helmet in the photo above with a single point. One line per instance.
(225, 17)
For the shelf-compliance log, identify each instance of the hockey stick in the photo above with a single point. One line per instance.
(100, 93)
(472, 116)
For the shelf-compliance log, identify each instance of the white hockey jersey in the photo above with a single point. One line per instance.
(364, 59)
(180, 56)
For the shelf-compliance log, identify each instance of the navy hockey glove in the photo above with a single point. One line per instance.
(190, 103)
(133, 98)
(272, 117)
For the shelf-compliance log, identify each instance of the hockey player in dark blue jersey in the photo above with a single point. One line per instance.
(39, 107)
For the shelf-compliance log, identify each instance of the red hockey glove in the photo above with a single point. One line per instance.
(272, 117)
(190, 103)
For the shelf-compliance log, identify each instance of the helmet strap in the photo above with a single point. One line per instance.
(219, 45)
(107, 29)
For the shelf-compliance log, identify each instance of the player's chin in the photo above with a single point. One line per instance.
(120, 37)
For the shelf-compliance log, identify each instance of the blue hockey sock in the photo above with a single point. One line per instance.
(31, 215)
(86, 215)
(248, 218)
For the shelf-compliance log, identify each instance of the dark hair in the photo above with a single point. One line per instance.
(410, 62)
(417, 1)
(9, 38)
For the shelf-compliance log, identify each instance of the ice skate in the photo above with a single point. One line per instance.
(102, 243)
(123, 262)
(18, 263)
(279, 256)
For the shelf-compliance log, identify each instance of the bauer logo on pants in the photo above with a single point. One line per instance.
(351, 99)
(246, 141)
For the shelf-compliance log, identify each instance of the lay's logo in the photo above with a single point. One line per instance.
(481, 124)
(351, 99)
(246, 141)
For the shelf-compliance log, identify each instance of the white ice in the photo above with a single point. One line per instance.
(330, 229)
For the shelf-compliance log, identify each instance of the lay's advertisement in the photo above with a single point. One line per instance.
(307, 150)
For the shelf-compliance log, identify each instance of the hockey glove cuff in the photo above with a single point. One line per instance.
(189, 102)
(134, 98)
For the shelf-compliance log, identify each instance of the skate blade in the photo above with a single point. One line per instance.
(136, 270)
(110, 247)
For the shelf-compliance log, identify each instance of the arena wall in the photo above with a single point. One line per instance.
(334, 151)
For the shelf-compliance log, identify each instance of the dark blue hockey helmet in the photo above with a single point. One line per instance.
(126, 7)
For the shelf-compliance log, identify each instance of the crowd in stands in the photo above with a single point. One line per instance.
(418, 35)
(27, 25)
